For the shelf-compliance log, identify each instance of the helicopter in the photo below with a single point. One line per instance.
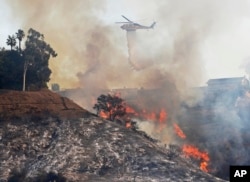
(132, 26)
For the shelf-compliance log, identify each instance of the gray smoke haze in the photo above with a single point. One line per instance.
(87, 46)
(91, 53)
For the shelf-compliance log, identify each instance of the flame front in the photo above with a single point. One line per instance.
(193, 151)
(178, 131)
(190, 150)
(161, 118)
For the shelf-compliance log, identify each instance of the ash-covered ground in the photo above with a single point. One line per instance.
(90, 149)
(87, 148)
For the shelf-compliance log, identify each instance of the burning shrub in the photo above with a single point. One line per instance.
(110, 107)
(114, 108)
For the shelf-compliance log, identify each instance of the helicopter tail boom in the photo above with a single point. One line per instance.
(153, 24)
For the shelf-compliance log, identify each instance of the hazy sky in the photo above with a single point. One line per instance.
(8, 26)
(224, 47)
(225, 50)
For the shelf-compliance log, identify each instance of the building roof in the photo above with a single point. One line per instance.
(225, 80)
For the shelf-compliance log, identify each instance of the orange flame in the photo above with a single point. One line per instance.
(163, 116)
(130, 110)
(203, 166)
(104, 115)
(194, 152)
(178, 131)
(151, 116)
(154, 116)
(128, 125)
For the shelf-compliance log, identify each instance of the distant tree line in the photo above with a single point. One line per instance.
(28, 67)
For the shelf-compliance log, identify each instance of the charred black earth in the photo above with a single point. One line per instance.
(67, 143)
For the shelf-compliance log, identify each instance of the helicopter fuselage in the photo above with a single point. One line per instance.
(133, 27)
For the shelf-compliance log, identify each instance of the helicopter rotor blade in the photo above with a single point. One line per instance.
(127, 19)
(123, 22)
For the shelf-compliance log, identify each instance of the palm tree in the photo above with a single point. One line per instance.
(11, 41)
(20, 35)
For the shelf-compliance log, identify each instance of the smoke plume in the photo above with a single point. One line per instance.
(90, 51)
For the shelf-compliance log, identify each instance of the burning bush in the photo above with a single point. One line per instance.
(110, 107)
(114, 108)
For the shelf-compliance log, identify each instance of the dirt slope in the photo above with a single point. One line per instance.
(40, 104)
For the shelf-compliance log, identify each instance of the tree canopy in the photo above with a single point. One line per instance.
(113, 108)
(26, 68)
(11, 41)
(110, 106)
(11, 70)
(20, 35)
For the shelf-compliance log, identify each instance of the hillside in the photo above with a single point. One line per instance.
(14, 104)
(41, 132)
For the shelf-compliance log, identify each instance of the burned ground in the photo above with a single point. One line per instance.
(86, 148)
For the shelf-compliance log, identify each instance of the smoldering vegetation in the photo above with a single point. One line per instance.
(219, 123)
